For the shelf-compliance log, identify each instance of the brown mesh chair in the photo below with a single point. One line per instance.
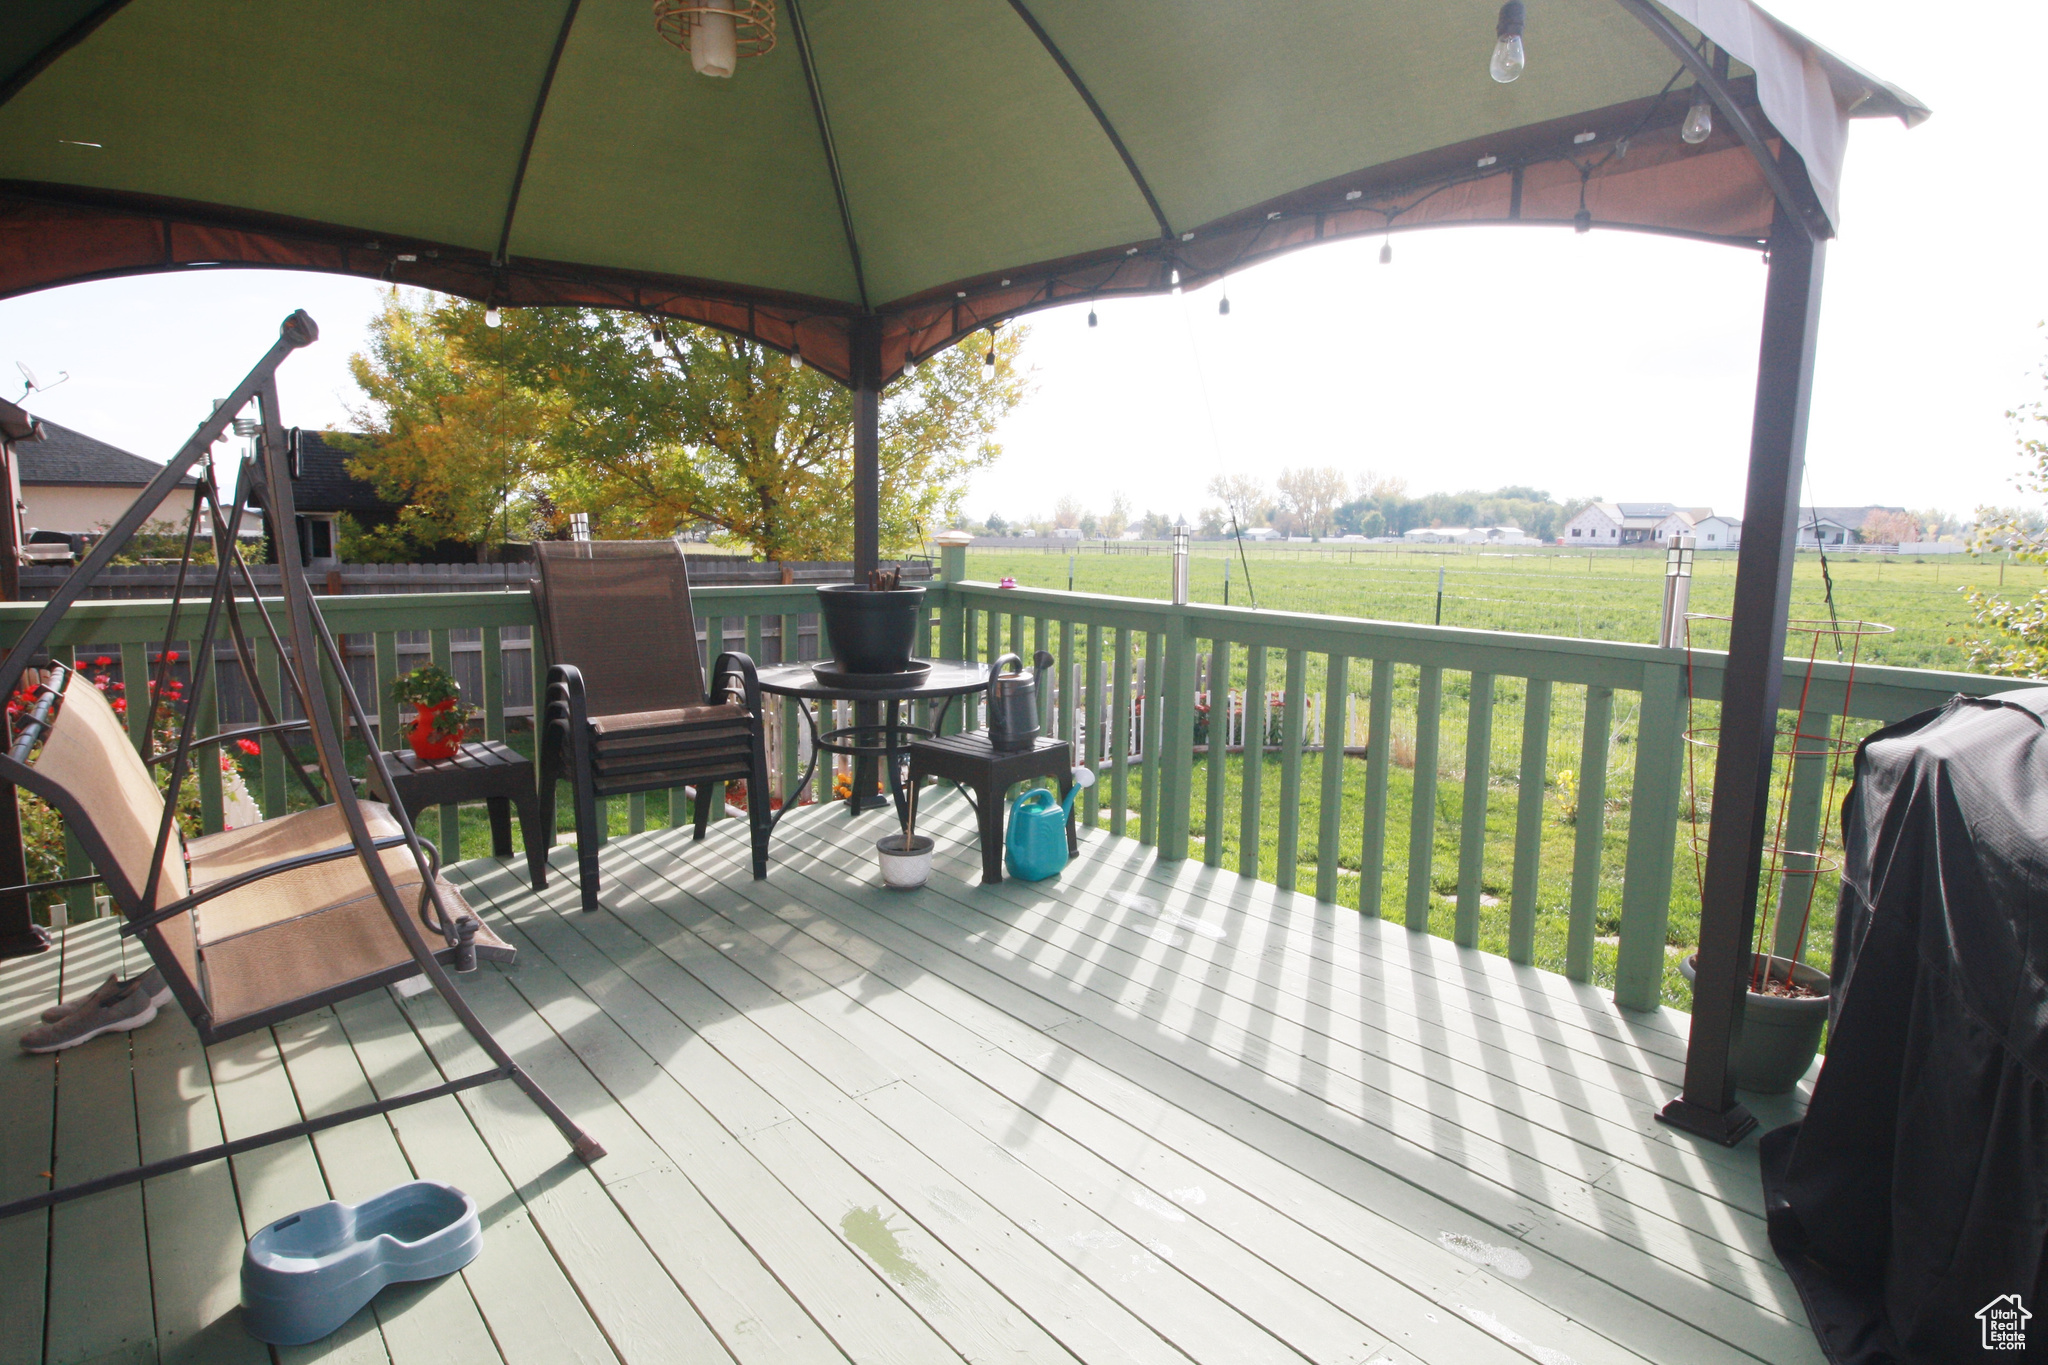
(626, 707)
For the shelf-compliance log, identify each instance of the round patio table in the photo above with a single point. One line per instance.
(886, 739)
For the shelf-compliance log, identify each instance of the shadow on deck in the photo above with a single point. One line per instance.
(1144, 1112)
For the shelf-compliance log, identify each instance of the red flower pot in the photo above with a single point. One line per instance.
(426, 745)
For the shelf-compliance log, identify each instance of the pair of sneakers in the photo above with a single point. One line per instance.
(117, 1005)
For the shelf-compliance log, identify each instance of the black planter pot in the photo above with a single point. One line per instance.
(1780, 1033)
(870, 632)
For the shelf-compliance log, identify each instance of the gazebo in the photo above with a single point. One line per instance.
(864, 185)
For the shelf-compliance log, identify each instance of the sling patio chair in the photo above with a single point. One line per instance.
(249, 927)
(627, 708)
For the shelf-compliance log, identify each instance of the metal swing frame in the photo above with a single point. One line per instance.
(305, 641)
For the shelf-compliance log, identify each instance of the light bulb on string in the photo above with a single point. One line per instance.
(796, 357)
(1699, 122)
(1091, 317)
(492, 317)
(1387, 251)
(1508, 57)
(1223, 304)
(1175, 281)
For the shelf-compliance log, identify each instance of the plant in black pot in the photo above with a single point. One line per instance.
(871, 626)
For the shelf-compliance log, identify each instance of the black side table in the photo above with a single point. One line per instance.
(987, 774)
(485, 771)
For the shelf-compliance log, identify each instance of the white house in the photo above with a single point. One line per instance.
(1718, 533)
(1440, 535)
(1261, 533)
(1598, 524)
(1066, 533)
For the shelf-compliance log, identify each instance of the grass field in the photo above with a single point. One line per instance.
(1612, 595)
(1597, 595)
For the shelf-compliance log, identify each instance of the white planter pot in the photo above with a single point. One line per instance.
(904, 868)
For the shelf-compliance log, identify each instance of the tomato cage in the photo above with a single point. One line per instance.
(1805, 771)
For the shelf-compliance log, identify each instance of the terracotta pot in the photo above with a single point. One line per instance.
(426, 745)
(1780, 1033)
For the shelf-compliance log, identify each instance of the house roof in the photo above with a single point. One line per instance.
(1849, 517)
(70, 458)
(324, 483)
(1658, 510)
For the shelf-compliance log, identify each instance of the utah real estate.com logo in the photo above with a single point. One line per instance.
(2005, 1323)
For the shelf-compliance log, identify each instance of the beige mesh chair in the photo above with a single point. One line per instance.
(269, 921)
(626, 709)
(249, 926)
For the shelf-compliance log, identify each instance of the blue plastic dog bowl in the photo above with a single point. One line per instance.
(306, 1275)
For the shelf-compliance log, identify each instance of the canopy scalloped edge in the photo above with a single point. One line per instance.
(1635, 174)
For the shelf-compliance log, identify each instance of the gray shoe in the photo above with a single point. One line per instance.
(128, 1009)
(152, 981)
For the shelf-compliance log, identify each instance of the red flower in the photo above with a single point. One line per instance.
(120, 707)
(100, 683)
(249, 747)
(102, 661)
(171, 655)
(120, 687)
(227, 765)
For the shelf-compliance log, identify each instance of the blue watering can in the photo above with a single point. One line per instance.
(1035, 847)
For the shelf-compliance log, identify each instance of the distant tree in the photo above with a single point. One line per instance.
(1374, 486)
(656, 426)
(1091, 525)
(996, 525)
(2017, 645)
(1156, 526)
(1212, 521)
(1118, 519)
(1244, 498)
(1890, 528)
(1312, 496)
(1067, 512)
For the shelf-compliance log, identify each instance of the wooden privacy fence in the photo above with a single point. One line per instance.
(1136, 671)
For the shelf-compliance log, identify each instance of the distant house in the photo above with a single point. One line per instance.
(76, 484)
(1597, 524)
(1718, 533)
(1837, 525)
(1438, 535)
(1261, 533)
(1066, 533)
(323, 491)
(1631, 523)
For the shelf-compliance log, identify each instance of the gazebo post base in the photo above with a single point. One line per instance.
(1725, 1126)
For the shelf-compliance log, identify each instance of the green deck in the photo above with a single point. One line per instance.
(1147, 1112)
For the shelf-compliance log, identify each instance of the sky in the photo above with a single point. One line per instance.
(1610, 365)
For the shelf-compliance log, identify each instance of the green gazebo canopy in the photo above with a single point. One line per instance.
(937, 164)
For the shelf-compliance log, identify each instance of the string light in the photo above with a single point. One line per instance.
(1223, 304)
(1508, 57)
(1091, 317)
(796, 357)
(1699, 122)
(492, 317)
(1387, 251)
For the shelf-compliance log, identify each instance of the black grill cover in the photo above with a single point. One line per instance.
(1914, 1195)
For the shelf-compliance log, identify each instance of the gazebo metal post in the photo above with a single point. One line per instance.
(20, 935)
(1749, 697)
(865, 362)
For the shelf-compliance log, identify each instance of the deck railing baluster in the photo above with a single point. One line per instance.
(1429, 697)
(494, 685)
(1472, 826)
(1250, 816)
(1652, 827)
(270, 673)
(1151, 710)
(1330, 827)
(1219, 758)
(1293, 710)
(1590, 831)
(1379, 763)
(1176, 798)
(1120, 732)
(1091, 720)
(1529, 820)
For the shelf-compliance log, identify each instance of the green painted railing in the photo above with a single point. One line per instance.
(1124, 663)
(1108, 643)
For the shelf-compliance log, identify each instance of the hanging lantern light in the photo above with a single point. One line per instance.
(717, 35)
(1699, 122)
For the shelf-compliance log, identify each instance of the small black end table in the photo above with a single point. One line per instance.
(987, 773)
(485, 771)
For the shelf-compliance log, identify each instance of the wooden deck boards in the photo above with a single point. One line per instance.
(1144, 1112)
